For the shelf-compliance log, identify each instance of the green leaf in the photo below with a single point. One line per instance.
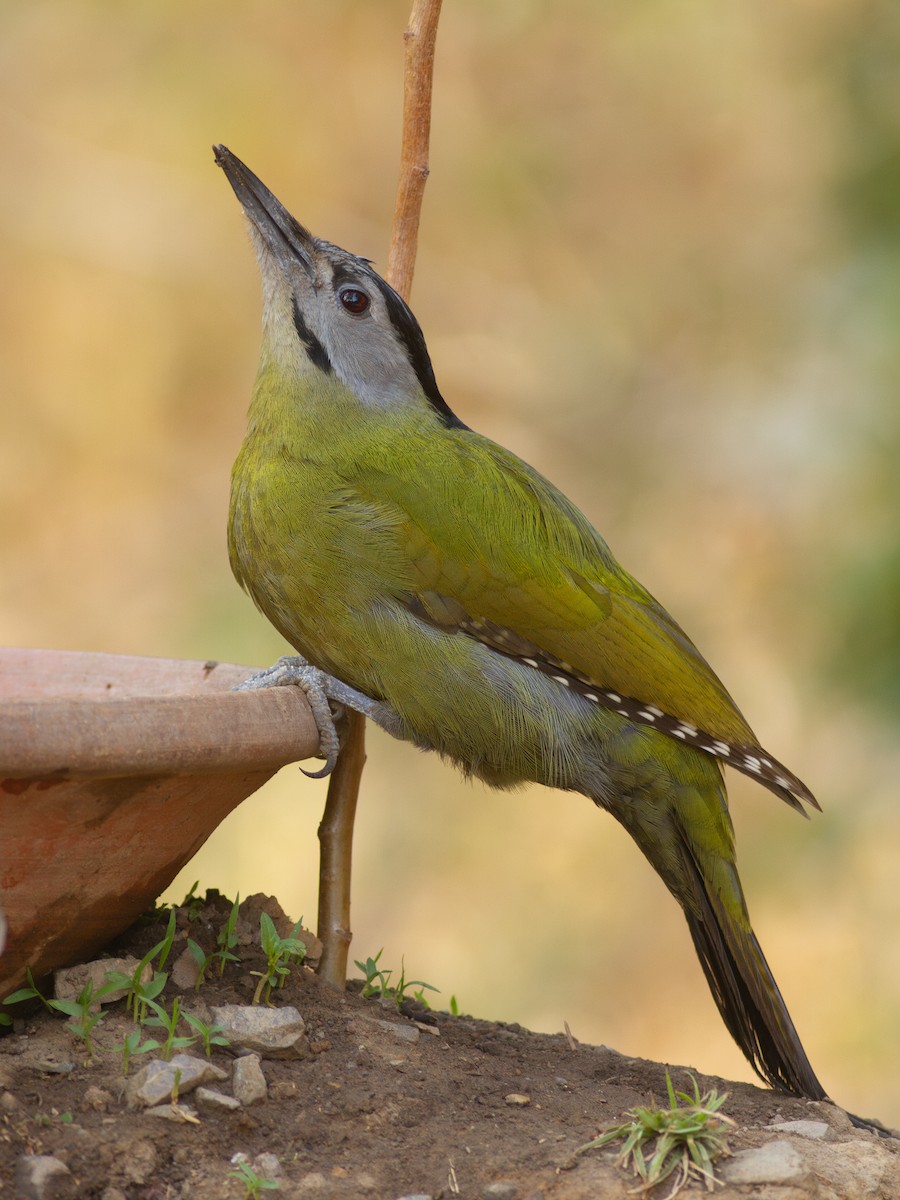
(26, 993)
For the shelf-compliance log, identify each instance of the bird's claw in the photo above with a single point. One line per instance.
(297, 672)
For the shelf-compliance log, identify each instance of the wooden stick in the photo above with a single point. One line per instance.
(420, 37)
(336, 852)
(336, 828)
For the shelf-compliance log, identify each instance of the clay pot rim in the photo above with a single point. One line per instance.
(73, 714)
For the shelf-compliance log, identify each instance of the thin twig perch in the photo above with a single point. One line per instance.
(419, 71)
(336, 827)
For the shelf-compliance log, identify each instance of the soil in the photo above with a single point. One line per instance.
(383, 1102)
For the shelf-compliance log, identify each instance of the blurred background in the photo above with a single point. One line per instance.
(659, 259)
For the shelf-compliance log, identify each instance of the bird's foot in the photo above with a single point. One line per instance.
(322, 691)
(297, 672)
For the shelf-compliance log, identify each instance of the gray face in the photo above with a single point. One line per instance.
(326, 309)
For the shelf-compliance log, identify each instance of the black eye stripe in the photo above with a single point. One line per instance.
(318, 355)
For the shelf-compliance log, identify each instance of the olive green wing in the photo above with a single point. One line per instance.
(497, 553)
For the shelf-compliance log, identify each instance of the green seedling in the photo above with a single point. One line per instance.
(138, 992)
(210, 1035)
(45, 1119)
(377, 981)
(28, 993)
(226, 940)
(280, 952)
(192, 902)
(164, 947)
(85, 1017)
(132, 1046)
(169, 1022)
(683, 1140)
(404, 985)
(204, 961)
(253, 1183)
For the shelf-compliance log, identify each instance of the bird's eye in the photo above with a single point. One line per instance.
(354, 300)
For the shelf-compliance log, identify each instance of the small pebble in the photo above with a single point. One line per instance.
(155, 1082)
(48, 1066)
(403, 1033)
(807, 1129)
(776, 1162)
(248, 1082)
(183, 1114)
(35, 1173)
(271, 1032)
(209, 1100)
(267, 1164)
(185, 971)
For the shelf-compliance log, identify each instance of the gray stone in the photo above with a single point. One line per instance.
(806, 1129)
(248, 1082)
(403, 1033)
(271, 1032)
(37, 1176)
(267, 1164)
(185, 971)
(49, 1066)
(183, 1114)
(208, 1100)
(155, 1082)
(776, 1162)
(503, 1189)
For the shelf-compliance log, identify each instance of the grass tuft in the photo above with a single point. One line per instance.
(683, 1140)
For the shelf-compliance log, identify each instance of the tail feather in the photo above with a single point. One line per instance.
(687, 837)
(745, 990)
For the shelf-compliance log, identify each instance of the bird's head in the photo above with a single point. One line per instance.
(327, 310)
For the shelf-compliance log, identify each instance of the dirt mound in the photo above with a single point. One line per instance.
(369, 1100)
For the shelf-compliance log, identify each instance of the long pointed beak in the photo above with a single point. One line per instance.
(282, 233)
